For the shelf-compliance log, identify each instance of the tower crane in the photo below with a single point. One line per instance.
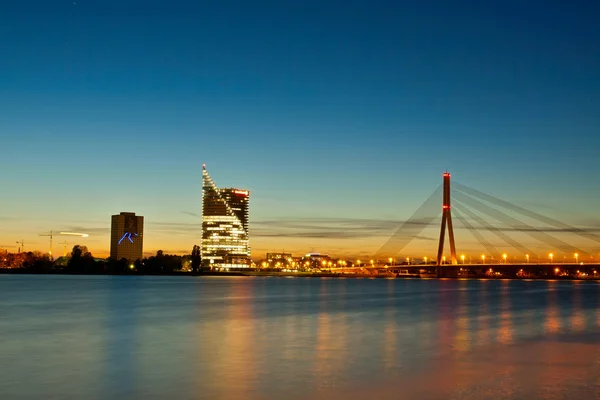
(22, 243)
(50, 251)
(64, 248)
(52, 234)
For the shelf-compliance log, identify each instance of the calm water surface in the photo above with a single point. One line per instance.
(99, 337)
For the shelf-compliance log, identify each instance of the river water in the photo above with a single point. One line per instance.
(113, 337)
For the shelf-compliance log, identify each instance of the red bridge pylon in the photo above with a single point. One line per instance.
(446, 220)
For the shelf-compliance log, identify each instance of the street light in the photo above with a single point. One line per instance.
(576, 258)
(390, 260)
(504, 256)
(462, 257)
(358, 263)
(527, 257)
(372, 264)
(483, 258)
(551, 257)
(444, 260)
(425, 258)
(408, 260)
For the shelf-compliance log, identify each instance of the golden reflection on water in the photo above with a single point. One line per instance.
(445, 334)
(298, 329)
(505, 332)
(234, 367)
(552, 322)
(461, 337)
(390, 332)
(322, 350)
(331, 349)
(598, 308)
(538, 370)
(578, 317)
(529, 323)
(483, 317)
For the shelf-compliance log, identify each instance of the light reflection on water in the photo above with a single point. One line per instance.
(270, 338)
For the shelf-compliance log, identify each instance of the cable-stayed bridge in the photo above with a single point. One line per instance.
(511, 226)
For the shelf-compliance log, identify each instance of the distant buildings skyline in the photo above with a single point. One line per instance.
(224, 235)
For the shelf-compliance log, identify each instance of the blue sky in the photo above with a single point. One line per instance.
(322, 109)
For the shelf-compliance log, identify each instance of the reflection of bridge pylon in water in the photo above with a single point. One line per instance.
(446, 221)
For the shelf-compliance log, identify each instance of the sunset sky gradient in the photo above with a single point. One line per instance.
(339, 117)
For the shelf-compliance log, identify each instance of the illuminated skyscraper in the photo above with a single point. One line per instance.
(126, 236)
(225, 239)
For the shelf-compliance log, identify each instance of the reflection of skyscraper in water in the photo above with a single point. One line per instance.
(225, 235)
(235, 347)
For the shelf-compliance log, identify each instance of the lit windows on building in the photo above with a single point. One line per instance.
(225, 238)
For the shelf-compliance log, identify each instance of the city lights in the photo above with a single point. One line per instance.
(225, 238)
(225, 246)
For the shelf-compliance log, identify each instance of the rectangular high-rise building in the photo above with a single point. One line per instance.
(225, 237)
(127, 236)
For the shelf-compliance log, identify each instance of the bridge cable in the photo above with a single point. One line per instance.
(525, 212)
(413, 226)
(515, 224)
(482, 241)
(496, 231)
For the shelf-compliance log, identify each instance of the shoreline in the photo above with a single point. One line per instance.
(20, 271)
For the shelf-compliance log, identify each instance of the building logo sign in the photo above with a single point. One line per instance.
(128, 236)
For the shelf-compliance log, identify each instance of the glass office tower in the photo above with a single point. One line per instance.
(225, 239)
